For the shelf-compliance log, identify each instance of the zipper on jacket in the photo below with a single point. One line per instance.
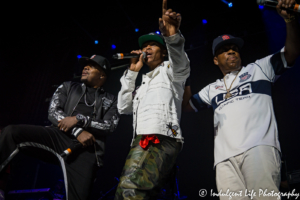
(94, 117)
(98, 163)
(94, 113)
(134, 133)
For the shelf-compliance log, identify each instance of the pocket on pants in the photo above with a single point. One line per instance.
(277, 174)
(277, 158)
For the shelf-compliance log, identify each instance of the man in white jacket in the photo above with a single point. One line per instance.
(156, 109)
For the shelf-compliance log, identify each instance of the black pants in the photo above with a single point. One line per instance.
(79, 168)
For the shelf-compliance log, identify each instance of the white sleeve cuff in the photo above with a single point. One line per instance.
(192, 105)
(131, 74)
(283, 58)
(76, 131)
(172, 38)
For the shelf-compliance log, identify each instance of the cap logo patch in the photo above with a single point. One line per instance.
(225, 37)
(104, 66)
(93, 56)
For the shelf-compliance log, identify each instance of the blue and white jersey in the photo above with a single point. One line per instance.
(246, 119)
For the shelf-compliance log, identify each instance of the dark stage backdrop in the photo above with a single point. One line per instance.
(28, 80)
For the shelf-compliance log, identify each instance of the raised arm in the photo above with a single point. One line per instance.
(169, 26)
(292, 43)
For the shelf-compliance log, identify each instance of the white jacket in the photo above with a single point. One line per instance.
(156, 106)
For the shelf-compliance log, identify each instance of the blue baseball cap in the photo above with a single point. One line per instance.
(226, 39)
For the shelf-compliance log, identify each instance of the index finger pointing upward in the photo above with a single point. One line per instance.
(164, 7)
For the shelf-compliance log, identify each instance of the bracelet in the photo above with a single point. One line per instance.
(291, 18)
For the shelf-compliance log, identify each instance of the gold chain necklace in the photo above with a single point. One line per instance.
(228, 94)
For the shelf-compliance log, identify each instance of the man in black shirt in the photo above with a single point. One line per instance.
(80, 113)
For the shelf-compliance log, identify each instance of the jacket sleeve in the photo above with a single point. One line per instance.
(179, 69)
(57, 103)
(125, 94)
(101, 127)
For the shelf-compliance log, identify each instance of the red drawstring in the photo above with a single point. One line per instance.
(146, 139)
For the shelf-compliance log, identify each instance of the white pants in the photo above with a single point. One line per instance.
(255, 172)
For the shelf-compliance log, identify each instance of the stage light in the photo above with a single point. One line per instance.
(113, 46)
(204, 21)
(96, 41)
(79, 56)
(157, 32)
(261, 7)
(230, 4)
(136, 30)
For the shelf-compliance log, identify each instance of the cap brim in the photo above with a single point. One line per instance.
(146, 38)
(84, 60)
(237, 41)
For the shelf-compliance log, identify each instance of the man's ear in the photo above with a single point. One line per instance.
(165, 53)
(216, 61)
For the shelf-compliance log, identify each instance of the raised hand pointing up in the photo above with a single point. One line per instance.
(170, 22)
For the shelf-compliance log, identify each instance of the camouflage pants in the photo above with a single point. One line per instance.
(146, 171)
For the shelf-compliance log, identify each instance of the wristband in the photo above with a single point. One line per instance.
(291, 18)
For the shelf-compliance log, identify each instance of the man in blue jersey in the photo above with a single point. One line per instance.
(247, 150)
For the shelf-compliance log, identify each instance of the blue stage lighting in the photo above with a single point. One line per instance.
(157, 32)
(261, 7)
(79, 56)
(113, 46)
(204, 21)
(96, 41)
(230, 5)
(136, 30)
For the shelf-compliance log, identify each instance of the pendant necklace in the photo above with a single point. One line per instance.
(228, 94)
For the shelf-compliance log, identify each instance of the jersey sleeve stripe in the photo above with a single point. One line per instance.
(279, 63)
(196, 102)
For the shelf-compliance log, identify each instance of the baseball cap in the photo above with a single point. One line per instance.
(226, 39)
(99, 60)
(151, 37)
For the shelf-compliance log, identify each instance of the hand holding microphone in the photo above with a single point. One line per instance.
(137, 63)
(74, 147)
(283, 5)
(84, 139)
(283, 8)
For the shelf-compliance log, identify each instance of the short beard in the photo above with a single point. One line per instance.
(83, 80)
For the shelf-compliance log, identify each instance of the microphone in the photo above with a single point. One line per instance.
(128, 55)
(74, 147)
(273, 4)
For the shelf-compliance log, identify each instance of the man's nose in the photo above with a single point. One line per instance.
(231, 51)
